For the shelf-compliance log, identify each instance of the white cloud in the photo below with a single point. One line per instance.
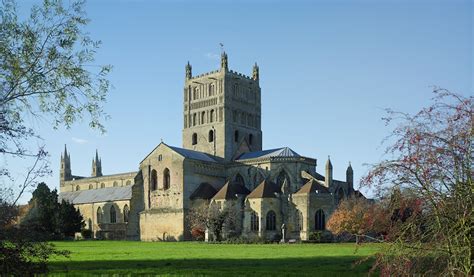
(79, 140)
(212, 56)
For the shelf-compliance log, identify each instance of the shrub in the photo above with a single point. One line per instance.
(198, 233)
(86, 233)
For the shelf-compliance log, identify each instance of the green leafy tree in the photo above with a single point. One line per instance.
(70, 220)
(47, 73)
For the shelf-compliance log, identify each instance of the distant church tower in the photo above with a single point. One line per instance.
(65, 170)
(222, 112)
(96, 166)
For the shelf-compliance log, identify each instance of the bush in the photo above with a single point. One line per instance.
(198, 234)
(86, 233)
(321, 236)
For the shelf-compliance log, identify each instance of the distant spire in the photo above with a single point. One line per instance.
(65, 151)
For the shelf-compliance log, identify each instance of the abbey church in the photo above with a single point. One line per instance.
(221, 162)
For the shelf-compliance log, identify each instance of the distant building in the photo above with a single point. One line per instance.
(221, 163)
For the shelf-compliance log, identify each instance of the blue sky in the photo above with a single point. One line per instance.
(327, 69)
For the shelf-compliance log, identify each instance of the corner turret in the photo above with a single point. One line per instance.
(189, 71)
(350, 176)
(328, 177)
(224, 62)
(255, 72)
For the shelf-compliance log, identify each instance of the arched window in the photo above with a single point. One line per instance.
(211, 89)
(195, 139)
(236, 89)
(250, 139)
(78, 188)
(126, 212)
(115, 184)
(113, 215)
(239, 179)
(91, 186)
(99, 215)
(102, 185)
(89, 222)
(236, 136)
(203, 117)
(281, 179)
(160, 158)
(271, 221)
(194, 119)
(128, 183)
(166, 179)
(299, 221)
(211, 116)
(154, 180)
(195, 91)
(254, 221)
(211, 136)
(319, 220)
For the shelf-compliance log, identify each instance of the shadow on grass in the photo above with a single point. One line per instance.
(313, 266)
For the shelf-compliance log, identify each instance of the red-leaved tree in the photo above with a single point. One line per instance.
(430, 157)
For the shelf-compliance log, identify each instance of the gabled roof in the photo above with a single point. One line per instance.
(311, 187)
(203, 191)
(230, 190)
(188, 154)
(266, 189)
(194, 155)
(278, 152)
(97, 195)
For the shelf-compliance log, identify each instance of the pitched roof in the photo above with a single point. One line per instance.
(189, 154)
(203, 191)
(311, 187)
(230, 190)
(277, 152)
(194, 155)
(97, 195)
(266, 189)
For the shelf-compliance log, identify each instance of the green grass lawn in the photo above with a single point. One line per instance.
(192, 258)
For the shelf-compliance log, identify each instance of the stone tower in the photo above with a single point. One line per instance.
(96, 166)
(65, 170)
(222, 112)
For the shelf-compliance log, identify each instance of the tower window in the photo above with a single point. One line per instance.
(250, 139)
(211, 116)
(211, 136)
(203, 117)
(236, 136)
(194, 119)
(194, 139)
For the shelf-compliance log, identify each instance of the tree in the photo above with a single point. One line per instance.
(214, 219)
(70, 220)
(48, 219)
(47, 73)
(430, 156)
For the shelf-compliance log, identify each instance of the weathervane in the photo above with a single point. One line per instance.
(222, 47)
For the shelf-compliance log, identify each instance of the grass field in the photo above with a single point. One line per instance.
(192, 258)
